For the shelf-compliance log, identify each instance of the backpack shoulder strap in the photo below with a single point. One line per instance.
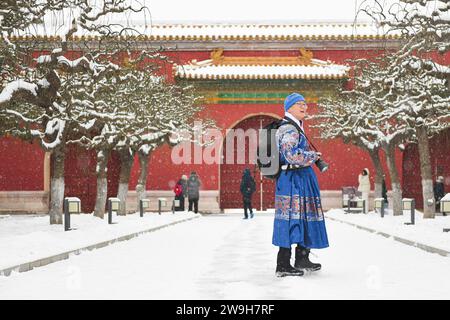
(299, 129)
(290, 121)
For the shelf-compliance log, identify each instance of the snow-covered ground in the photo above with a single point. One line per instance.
(25, 238)
(225, 257)
(425, 231)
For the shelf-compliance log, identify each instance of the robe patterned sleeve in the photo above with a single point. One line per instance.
(294, 147)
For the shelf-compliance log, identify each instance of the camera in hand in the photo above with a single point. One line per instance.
(322, 165)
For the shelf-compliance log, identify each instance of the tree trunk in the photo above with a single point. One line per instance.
(57, 186)
(102, 183)
(425, 172)
(142, 181)
(395, 181)
(126, 163)
(375, 156)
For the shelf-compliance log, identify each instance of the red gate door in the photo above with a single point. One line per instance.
(231, 173)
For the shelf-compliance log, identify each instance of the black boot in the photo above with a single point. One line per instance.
(284, 267)
(302, 260)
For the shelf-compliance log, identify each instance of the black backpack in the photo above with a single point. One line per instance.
(268, 155)
(248, 187)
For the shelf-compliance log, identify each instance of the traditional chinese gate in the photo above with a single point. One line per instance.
(231, 173)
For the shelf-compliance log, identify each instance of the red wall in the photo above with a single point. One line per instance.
(440, 164)
(21, 165)
(81, 179)
(345, 161)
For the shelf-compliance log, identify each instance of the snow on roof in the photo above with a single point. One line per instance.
(221, 67)
(332, 71)
(240, 31)
(282, 31)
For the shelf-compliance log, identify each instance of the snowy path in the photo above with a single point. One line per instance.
(224, 257)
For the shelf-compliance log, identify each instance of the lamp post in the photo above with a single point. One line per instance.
(360, 205)
(161, 202)
(379, 204)
(113, 205)
(409, 204)
(143, 204)
(345, 199)
(176, 203)
(347, 194)
(71, 205)
(445, 207)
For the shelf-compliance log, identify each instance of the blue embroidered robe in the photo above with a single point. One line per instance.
(298, 215)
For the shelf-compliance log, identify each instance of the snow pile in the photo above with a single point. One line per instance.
(446, 197)
(425, 231)
(28, 238)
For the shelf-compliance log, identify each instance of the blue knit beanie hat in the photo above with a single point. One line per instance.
(291, 100)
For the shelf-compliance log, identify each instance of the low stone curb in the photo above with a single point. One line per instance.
(396, 238)
(27, 266)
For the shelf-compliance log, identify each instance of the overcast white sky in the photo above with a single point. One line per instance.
(255, 10)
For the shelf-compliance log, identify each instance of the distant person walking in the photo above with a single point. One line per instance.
(439, 192)
(248, 187)
(193, 189)
(364, 187)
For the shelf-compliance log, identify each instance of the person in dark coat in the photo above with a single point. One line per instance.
(181, 192)
(248, 187)
(193, 189)
(439, 191)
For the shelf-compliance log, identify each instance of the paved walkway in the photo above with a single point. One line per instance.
(225, 257)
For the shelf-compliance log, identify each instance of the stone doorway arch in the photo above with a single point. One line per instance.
(231, 173)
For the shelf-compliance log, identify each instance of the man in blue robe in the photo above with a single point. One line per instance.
(298, 213)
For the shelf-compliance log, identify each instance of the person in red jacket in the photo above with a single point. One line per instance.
(180, 190)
